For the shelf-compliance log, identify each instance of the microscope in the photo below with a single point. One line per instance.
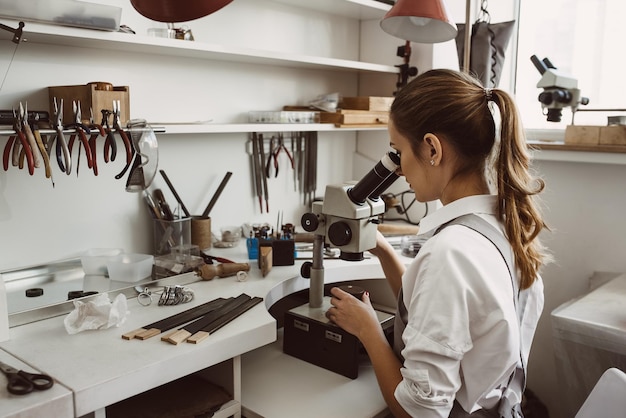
(559, 90)
(346, 219)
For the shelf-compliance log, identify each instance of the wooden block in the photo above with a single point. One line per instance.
(132, 334)
(91, 98)
(582, 135)
(613, 135)
(366, 103)
(148, 333)
(265, 259)
(360, 117)
(198, 337)
(179, 336)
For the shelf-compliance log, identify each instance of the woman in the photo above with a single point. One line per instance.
(462, 350)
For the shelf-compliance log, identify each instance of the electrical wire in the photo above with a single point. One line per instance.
(402, 205)
(8, 67)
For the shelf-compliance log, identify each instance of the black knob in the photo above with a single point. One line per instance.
(305, 269)
(545, 97)
(340, 234)
(309, 222)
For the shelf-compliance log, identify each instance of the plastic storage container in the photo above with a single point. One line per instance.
(589, 337)
(64, 12)
(130, 267)
(94, 260)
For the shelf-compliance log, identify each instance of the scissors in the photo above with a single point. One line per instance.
(21, 382)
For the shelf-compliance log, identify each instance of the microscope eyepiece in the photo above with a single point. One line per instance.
(386, 167)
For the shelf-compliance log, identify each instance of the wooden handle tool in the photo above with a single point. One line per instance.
(209, 271)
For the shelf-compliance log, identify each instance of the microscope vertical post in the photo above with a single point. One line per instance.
(316, 290)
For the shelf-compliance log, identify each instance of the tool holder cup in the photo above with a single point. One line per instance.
(172, 237)
(201, 232)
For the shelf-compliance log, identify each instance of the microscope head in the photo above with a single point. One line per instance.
(348, 215)
(559, 90)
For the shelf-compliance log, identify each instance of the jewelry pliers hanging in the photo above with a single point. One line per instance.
(36, 143)
(81, 131)
(97, 130)
(13, 143)
(62, 151)
(130, 149)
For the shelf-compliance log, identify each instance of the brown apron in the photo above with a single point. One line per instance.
(508, 407)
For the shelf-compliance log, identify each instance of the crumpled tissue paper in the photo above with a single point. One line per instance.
(97, 313)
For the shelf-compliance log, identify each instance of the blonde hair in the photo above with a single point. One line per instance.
(455, 106)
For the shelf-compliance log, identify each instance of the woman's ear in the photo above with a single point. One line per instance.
(434, 148)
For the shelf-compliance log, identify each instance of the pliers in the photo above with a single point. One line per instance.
(274, 155)
(62, 151)
(17, 127)
(81, 131)
(97, 130)
(36, 142)
(110, 146)
(130, 150)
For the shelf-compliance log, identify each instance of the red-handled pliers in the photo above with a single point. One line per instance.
(82, 131)
(17, 126)
(130, 149)
(97, 130)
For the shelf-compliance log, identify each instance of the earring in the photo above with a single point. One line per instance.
(432, 162)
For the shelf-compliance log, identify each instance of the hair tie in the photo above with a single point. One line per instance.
(488, 95)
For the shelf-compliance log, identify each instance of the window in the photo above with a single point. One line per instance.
(583, 39)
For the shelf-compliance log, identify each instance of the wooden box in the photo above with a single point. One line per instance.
(582, 135)
(613, 135)
(93, 97)
(366, 103)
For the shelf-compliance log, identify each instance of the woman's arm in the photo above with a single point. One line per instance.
(390, 262)
(359, 318)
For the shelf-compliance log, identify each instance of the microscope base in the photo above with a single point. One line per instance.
(310, 336)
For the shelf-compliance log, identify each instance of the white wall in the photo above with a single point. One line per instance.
(39, 223)
(584, 206)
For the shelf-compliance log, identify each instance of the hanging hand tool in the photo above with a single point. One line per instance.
(97, 130)
(110, 146)
(130, 150)
(81, 131)
(7, 152)
(274, 152)
(256, 170)
(36, 139)
(62, 151)
(21, 146)
(29, 136)
(263, 178)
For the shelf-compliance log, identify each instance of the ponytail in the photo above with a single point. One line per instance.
(457, 107)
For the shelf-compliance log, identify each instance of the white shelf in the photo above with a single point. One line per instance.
(361, 9)
(115, 41)
(256, 127)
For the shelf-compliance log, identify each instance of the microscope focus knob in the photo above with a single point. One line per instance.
(309, 222)
(305, 269)
(340, 234)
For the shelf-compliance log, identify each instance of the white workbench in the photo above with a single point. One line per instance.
(100, 368)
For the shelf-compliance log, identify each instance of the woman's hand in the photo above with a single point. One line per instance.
(354, 316)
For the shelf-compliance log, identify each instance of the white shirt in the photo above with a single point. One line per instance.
(462, 340)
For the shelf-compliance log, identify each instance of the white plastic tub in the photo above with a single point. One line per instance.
(130, 267)
(94, 261)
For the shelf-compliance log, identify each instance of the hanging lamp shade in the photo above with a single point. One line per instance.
(171, 11)
(423, 21)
